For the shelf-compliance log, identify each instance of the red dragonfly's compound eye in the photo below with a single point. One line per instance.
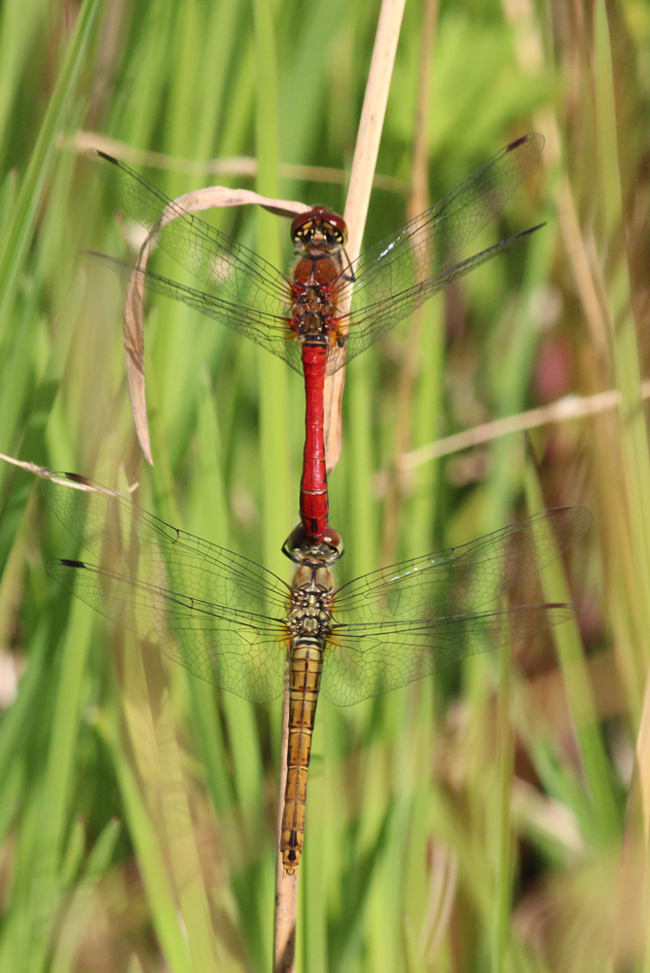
(319, 222)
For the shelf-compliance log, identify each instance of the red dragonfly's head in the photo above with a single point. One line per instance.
(321, 227)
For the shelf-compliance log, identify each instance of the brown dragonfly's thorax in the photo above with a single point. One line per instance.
(310, 615)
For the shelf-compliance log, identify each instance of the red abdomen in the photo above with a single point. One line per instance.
(314, 503)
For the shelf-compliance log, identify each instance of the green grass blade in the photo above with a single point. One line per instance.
(20, 231)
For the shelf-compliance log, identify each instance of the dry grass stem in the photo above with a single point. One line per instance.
(286, 886)
(212, 197)
(419, 200)
(360, 187)
(565, 409)
(241, 166)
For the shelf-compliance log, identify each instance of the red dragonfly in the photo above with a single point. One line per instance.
(332, 309)
(232, 622)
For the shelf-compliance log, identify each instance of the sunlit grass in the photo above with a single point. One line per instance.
(466, 823)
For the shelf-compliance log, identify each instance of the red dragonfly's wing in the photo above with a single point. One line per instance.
(243, 291)
(216, 613)
(405, 269)
(403, 622)
(270, 331)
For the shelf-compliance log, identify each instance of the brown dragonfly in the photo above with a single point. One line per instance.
(230, 621)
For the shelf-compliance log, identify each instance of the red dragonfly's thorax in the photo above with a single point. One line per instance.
(319, 237)
(313, 312)
(317, 268)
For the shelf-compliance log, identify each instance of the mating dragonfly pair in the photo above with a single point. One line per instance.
(227, 619)
(331, 309)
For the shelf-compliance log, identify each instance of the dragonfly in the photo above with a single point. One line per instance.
(233, 623)
(330, 309)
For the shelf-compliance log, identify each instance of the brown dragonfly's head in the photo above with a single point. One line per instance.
(319, 227)
(299, 546)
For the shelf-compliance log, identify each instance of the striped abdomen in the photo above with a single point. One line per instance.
(305, 673)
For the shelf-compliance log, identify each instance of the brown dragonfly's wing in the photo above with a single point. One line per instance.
(405, 269)
(370, 658)
(238, 651)
(215, 612)
(469, 576)
(423, 613)
(243, 291)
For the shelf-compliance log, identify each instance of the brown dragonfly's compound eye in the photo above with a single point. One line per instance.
(295, 543)
(335, 542)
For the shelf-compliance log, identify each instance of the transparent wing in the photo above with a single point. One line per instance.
(466, 577)
(203, 606)
(405, 621)
(386, 283)
(271, 331)
(369, 323)
(243, 291)
(368, 659)
(399, 273)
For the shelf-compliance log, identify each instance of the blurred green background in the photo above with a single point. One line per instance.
(490, 819)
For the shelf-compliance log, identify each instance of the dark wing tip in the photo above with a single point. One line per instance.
(105, 156)
(517, 142)
(531, 137)
(67, 563)
(571, 508)
(580, 518)
(77, 478)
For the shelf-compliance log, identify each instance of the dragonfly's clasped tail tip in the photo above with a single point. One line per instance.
(299, 544)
